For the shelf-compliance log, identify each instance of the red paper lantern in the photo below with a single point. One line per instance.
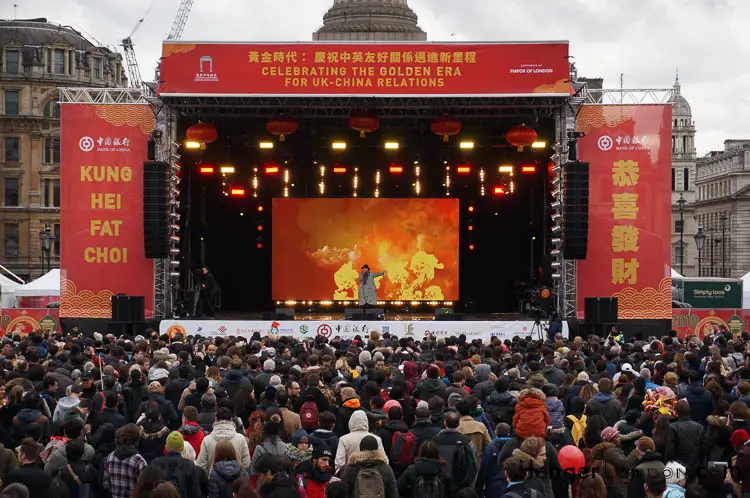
(204, 133)
(364, 122)
(446, 126)
(571, 459)
(281, 126)
(521, 136)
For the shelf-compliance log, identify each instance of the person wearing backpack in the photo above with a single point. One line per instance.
(367, 473)
(458, 452)
(78, 477)
(180, 471)
(108, 413)
(398, 443)
(427, 477)
(349, 444)
(108, 386)
(312, 403)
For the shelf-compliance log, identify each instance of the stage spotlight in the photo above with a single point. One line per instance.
(338, 145)
(391, 145)
(556, 276)
(556, 181)
(237, 192)
(272, 170)
(226, 170)
(466, 144)
(556, 169)
(471, 247)
(556, 205)
(505, 169)
(471, 209)
(192, 145)
(464, 169)
(260, 209)
(528, 169)
(206, 170)
(556, 241)
(539, 144)
(265, 145)
(556, 229)
(554, 252)
(470, 228)
(259, 242)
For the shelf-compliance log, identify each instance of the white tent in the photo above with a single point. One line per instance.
(746, 290)
(46, 285)
(675, 274)
(7, 290)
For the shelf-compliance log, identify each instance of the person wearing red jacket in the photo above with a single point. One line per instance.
(191, 431)
(314, 474)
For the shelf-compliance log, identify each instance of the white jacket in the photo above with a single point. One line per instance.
(349, 444)
(223, 429)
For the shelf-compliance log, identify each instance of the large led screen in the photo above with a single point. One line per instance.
(319, 246)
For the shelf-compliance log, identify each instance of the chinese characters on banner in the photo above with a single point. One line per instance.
(629, 208)
(103, 149)
(491, 69)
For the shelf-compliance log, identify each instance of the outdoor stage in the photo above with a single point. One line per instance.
(348, 329)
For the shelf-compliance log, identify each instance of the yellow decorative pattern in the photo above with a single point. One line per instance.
(559, 86)
(647, 303)
(175, 48)
(84, 304)
(128, 115)
(600, 116)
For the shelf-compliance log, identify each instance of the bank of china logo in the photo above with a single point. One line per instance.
(86, 144)
(605, 143)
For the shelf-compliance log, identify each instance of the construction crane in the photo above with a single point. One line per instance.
(180, 20)
(134, 72)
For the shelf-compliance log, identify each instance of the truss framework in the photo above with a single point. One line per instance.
(628, 97)
(102, 96)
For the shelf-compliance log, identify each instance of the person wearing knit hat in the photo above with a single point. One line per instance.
(370, 457)
(609, 434)
(316, 472)
(738, 439)
(390, 404)
(179, 458)
(155, 387)
(610, 452)
(175, 442)
(368, 443)
(275, 381)
(348, 393)
(676, 476)
(350, 403)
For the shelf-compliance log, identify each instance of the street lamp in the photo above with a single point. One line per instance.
(681, 203)
(700, 238)
(46, 238)
(723, 219)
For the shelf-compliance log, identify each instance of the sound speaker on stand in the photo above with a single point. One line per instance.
(156, 209)
(575, 232)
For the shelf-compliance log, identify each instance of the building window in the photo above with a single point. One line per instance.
(98, 68)
(678, 256)
(11, 103)
(12, 152)
(685, 179)
(11, 192)
(679, 226)
(674, 143)
(52, 150)
(56, 229)
(56, 61)
(52, 109)
(674, 174)
(12, 58)
(11, 240)
(51, 193)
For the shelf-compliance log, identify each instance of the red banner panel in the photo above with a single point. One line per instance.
(319, 246)
(628, 148)
(365, 69)
(103, 149)
(23, 321)
(692, 321)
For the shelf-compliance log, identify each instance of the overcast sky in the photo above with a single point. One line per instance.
(646, 40)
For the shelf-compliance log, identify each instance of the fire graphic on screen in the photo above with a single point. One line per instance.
(319, 246)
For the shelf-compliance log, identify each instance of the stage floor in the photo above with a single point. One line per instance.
(389, 315)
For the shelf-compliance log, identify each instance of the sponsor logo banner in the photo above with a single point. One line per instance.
(101, 212)
(23, 321)
(628, 149)
(692, 321)
(489, 69)
(347, 329)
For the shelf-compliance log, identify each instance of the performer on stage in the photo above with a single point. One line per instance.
(368, 293)
(206, 294)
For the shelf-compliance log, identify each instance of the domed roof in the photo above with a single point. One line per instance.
(680, 105)
(36, 32)
(368, 16)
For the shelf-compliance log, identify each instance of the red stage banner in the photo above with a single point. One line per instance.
(365, 69)
(628, 148)
(23, 321)
(103, 149)
(692, 321)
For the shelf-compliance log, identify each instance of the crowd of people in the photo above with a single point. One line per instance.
(92, 415)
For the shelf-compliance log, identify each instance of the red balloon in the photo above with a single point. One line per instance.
(571, 459)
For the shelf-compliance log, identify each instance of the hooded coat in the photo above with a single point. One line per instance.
(501, 406)
(221, 479)
(370, 459)
(193, 434)
(64, 406)
(483, 388)
(607, 406)
(223, 429)
(349, 444)
(429, 388)
(531, 418)
(428, 468)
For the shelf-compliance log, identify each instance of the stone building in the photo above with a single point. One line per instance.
(684, 253)
(37, 57)
(370, 20)
(722, 209)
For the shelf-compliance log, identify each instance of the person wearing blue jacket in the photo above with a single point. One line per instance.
(491, 480)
